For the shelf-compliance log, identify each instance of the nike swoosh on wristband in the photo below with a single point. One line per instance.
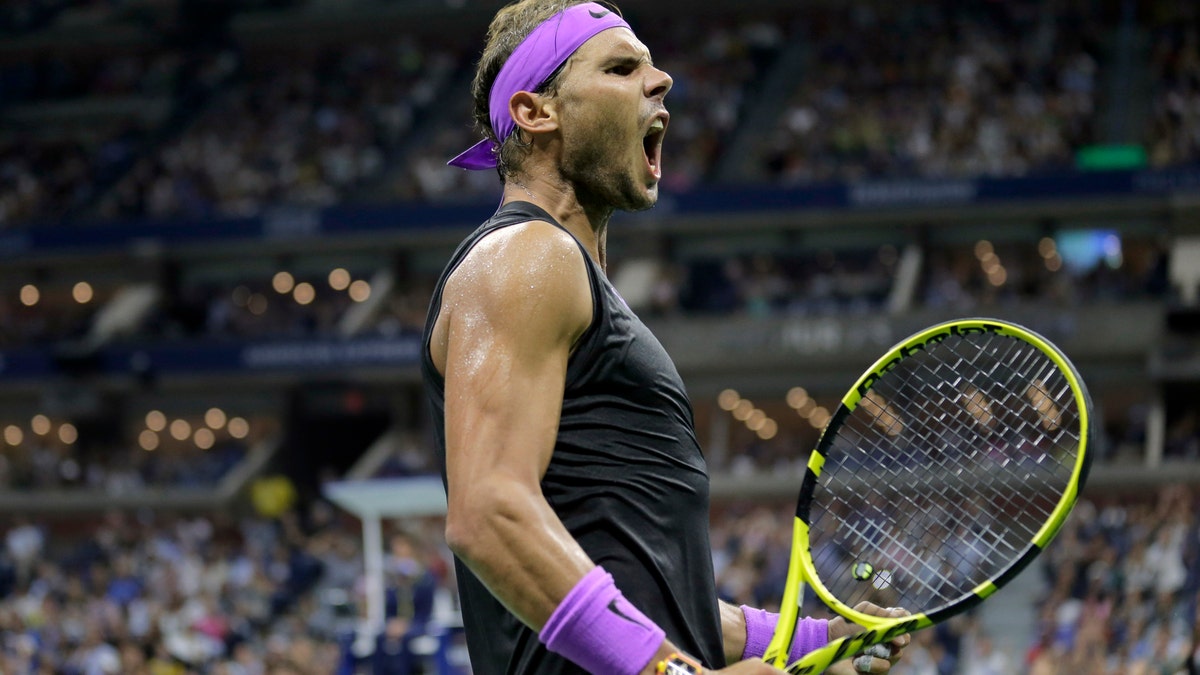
(612, 607)
(598, 15)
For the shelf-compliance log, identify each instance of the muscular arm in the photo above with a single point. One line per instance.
(510, 314)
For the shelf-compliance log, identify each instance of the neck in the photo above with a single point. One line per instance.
(588, 222)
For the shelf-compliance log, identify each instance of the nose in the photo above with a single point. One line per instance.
(658, 83)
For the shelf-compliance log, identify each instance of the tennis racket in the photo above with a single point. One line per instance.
(947, 468)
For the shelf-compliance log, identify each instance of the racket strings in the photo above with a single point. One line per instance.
(1016, 357)
(946, 475)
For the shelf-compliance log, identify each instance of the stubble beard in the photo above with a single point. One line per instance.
(601, 182)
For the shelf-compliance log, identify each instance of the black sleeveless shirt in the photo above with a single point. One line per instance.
(627, 478)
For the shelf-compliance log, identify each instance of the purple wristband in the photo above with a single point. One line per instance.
(811, 634)
(596, 628)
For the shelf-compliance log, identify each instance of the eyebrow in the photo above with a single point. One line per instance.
(637, 58)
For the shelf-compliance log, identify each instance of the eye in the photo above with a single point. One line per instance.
(621, 69)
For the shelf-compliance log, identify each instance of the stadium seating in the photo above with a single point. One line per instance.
(242, 205)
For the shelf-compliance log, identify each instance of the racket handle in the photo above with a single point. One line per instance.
(879, 651)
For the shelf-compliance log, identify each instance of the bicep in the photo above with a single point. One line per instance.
(512, 314)
(515, 312)
(503, 400)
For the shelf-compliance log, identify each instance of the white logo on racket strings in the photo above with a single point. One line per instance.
(908, 350)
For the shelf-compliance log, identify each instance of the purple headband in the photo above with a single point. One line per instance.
(535, 59)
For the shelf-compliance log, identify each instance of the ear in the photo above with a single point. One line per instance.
(534, 113)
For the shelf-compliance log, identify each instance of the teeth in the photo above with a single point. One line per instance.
(656, 126)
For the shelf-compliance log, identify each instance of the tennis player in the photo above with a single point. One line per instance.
(578, 494)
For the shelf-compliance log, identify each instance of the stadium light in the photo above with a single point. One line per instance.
(83, 293)
(360, 291)
(148, 440)
(204, 438)
(215, 418)
(339, 279)
(68, 434)
(283, 282)
(30, 295)
(728, 400)
(156, 420)
(180, 429)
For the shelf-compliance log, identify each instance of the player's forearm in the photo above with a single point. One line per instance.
(733, 631)
(511, 539)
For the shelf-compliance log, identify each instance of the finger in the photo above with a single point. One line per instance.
(879, 651)
(865, 663)
(871, 609)
(900, 641)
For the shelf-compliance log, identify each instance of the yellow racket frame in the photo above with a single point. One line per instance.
(801, 568)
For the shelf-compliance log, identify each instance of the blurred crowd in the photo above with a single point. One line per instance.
(76, 120)
(44, 180)
(55, 315)
(940, 89)
(1174, 136)
(783, 280)
(155, 594)
(303, 127)
(1123, 584)
(103, 450)
(249, 308)
(48, 78)
(875, 89)
(802, 280)
(115, 469)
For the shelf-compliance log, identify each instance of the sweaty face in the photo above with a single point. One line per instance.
(613, 121)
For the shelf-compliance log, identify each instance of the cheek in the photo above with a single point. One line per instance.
(594, 134)
(604, 110)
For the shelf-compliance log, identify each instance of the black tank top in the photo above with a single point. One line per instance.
(627, 478)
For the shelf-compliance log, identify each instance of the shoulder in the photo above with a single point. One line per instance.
(533, 243)
(530, 271)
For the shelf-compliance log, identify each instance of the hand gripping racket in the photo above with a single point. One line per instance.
(947, 468)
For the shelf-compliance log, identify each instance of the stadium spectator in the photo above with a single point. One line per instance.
(168, 594)
(1174, 134)
(303, 128)
(900, 89)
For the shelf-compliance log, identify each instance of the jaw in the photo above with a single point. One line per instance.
(602, 179)
(615, 166)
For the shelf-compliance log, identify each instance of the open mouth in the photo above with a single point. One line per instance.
(652, 145)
